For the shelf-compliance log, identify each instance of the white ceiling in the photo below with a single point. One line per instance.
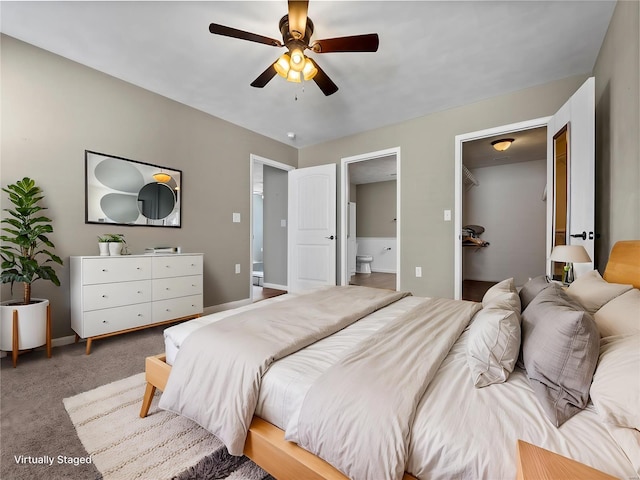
(433, 55)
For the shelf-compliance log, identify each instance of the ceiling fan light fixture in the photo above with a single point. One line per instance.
(297, 60)
(309, 71)
(502, 144)
(294, 76)
(282, 65)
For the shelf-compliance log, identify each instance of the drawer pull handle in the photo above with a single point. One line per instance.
(168, 310)
(139, 291)
(104, 296)
(104, 269)
(104, 321)
(167, 288)
(138, 268)
(139, 314)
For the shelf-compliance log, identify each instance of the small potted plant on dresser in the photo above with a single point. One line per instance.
(26, 323)
(103, 245)
(116, 243)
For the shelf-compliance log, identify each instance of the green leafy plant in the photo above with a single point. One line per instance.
(103, 238)
(24, 260)
(115, 237)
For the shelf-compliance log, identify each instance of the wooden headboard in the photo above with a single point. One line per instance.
(624, 263)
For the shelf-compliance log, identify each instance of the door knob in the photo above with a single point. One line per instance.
(582, 235)
(330, 238)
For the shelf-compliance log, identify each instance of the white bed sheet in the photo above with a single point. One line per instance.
(471, 438)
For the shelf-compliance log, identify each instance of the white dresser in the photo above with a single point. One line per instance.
(120, 294)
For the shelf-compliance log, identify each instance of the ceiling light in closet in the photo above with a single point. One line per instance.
(502, 144)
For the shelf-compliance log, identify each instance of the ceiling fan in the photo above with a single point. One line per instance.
(296, 29)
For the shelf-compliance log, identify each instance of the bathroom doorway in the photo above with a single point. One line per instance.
(370, 219)
(269, 222)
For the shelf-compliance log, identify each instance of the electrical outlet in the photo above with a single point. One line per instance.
(237, 268)
(418, 271)
(236, 217)
(447, 215)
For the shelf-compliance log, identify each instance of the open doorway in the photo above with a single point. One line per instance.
(370, 206)
(268, 232)
(500, 208)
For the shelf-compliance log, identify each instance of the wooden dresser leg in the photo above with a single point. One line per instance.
(77, 338)
(15, 340)
(88, 345)
(146, 400)
(48, 331)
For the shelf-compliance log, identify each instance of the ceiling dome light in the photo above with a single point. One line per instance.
(502, 144)
(309, 71)
(297, 60)
(161, 177)
(282, 65)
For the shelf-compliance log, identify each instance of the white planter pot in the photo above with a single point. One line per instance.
(115, 248)
(32, 324)
(104, 249)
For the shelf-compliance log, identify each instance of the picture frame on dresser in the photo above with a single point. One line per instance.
(116, 295)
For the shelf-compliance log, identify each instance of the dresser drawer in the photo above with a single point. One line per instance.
(99, 322)
(107, 295)
(107, 270)
(164, 288)
(177, 307)
(177, 266)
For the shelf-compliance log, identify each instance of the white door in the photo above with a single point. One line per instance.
(312, 227)
(573, 128)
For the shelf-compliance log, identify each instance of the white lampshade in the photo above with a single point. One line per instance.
(569, 254)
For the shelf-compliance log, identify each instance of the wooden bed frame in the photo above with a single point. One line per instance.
(265, 443)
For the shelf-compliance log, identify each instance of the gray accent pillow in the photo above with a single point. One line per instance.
(532, 288)
(560, 347)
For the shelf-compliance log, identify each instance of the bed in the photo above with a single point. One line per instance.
(464, 424)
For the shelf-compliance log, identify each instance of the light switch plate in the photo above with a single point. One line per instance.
(236, 217)
(447, 215)
(418, 271)
(237, 268)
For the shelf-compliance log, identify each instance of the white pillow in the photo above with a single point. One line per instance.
(502, 295)
(493, 345)
(592, 291)
(615, 390)
(621, 315)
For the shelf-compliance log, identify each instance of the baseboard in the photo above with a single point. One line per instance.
(382, 270)
(275, 286)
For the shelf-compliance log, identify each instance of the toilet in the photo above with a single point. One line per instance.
(363, 262)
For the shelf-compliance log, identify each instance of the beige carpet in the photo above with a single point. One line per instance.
(161, 446)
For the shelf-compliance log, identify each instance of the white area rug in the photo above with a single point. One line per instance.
(161, 446)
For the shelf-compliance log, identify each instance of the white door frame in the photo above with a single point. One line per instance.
(272, 163)
(460, 139)
(344, 206)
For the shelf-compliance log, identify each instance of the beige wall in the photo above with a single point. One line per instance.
(376, 209)
(53, 109)
(427, 172)
(617, 72)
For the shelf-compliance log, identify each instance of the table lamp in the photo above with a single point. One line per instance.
(569, 254)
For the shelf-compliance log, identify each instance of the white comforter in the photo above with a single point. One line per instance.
(216, 377)
(358, 415)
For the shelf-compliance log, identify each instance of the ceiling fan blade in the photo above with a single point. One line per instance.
(298, 18)
(265, 77)
(324, 82)
(357, 43)
(242, 35)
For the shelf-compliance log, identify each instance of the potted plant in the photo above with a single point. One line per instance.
(26, 259)
(103, 245)
(116, 243)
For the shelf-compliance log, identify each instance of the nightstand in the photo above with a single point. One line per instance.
(535, 463)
